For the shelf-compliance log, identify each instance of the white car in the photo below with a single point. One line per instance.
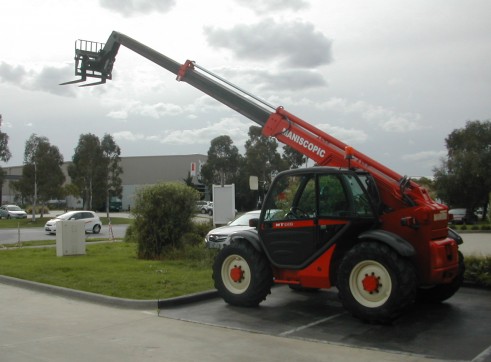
(12, 212)
(218, 238)
(92, 222)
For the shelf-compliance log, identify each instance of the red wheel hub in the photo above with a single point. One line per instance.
(371, 283)
(236, 274)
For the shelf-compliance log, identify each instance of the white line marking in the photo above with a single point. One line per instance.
(310, 325)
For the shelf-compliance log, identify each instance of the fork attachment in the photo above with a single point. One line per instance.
(93, 60)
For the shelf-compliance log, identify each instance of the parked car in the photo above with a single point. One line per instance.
(12, 212)
(92, 222)
(459, 216)
(219, 237)
(205, 207)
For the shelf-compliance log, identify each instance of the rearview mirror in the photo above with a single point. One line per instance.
(253, 223)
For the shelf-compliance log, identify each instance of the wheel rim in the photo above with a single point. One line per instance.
(236, 274)
(370, 283)
(96, 230)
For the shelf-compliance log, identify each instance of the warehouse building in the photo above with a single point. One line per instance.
(138, 171)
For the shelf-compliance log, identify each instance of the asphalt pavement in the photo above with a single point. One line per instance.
(38, 326)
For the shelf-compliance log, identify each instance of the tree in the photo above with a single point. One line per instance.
(223, 162)
(95, 170)
(464, 177)
(262, 157)
(89, 169)
(113, 183)
(4, 155)
(293, 158)
(42, 176)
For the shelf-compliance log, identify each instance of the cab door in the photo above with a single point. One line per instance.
(307, 213)
(289, 223)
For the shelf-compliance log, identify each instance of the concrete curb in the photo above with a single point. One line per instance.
(107, 300)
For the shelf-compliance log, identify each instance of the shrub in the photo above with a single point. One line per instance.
(196, 234)
(130, 235)
(478, 270)
(163, 213)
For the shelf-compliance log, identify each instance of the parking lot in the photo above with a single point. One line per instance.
(459, 329)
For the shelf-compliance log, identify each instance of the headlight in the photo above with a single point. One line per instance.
(216, 238)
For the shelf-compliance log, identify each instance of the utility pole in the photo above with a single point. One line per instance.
(35, 193)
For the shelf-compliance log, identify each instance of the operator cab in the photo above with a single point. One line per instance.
(314, 208)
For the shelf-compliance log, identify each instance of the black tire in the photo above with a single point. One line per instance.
(96, 229)
(375, 283)
(210, 212)
(441, 292)
(242, 275)
(203, 211)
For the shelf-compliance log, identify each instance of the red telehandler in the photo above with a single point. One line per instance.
(348, 222)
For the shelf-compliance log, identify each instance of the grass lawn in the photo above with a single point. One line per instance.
(112, 269)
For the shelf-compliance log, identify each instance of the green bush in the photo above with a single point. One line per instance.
(196, 234)
(478, 270)
(130, 235)
(163, 214)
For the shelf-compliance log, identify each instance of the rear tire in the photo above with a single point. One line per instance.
(242, 275)
(375, 283)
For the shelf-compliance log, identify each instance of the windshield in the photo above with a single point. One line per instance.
(64, 216)
(14, 208)
(244, 219)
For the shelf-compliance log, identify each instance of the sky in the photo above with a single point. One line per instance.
(391, 78)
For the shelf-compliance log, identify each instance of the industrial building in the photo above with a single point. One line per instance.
(138, 171)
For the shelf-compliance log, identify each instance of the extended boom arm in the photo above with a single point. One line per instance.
(96, 60)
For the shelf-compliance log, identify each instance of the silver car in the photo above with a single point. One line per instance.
(217, 238)
(92, 222)
(12, 212)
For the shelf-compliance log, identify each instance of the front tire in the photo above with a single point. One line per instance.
(375, 283)
(96, 229)
(242, 275)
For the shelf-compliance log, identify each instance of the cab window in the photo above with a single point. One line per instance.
(292, 197)
(333, 201)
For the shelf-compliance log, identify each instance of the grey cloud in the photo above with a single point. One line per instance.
(133, 7)
(290, 80)
(261, 6)
(10, 73)
(46, 80)
(294, 44)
